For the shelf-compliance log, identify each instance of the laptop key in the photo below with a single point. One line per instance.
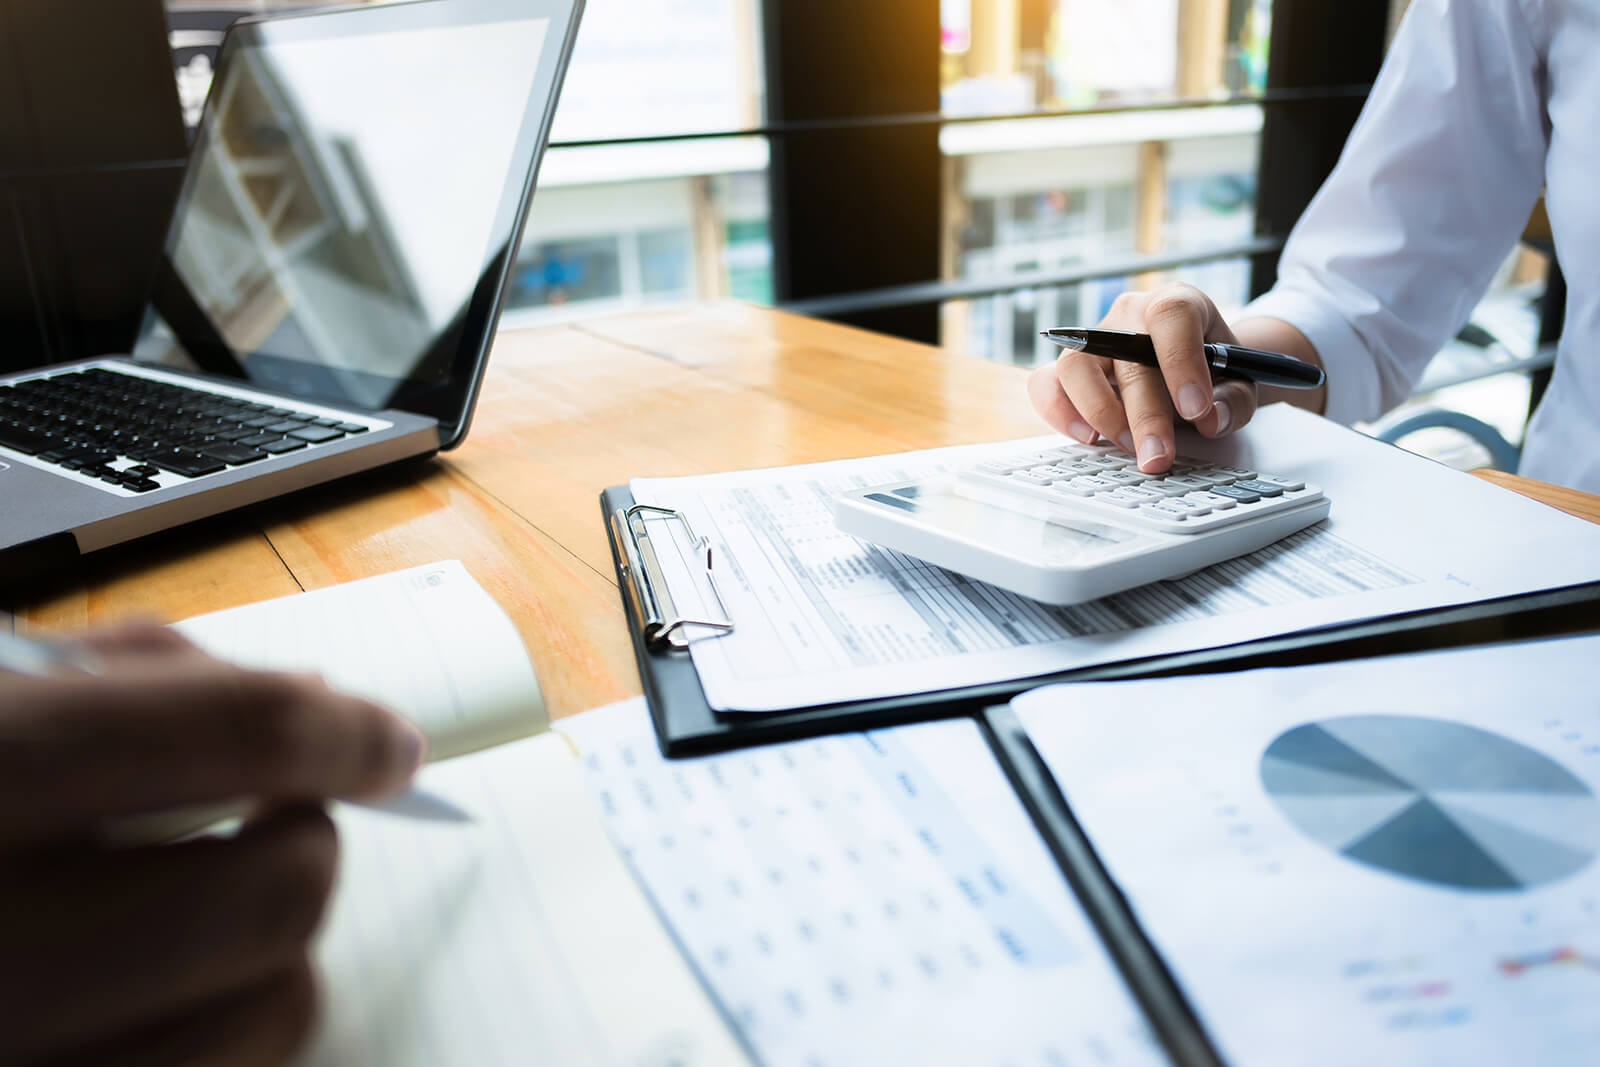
(141, 485)
(287, 444)
(317, 434)
(23, 439)
(259, 439)
(351, 427)
(233, 455)
(188, 464)
(286, 426)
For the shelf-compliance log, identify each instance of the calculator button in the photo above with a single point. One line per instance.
(1188, 481)
(1163, 512)
(999, 466)
(1084, 486)
(1234, 492)
(1143, 494)
(1165, 487)
(1032, 477)
(1121, 498)
(1288, 485)
(1212, 501)
(1237, 472)
(1124, 477)
(1212, 477)
(1264, 488)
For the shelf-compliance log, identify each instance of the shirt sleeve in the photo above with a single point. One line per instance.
(1434, 185)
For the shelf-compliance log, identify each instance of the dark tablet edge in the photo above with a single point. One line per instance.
(1167, 1011)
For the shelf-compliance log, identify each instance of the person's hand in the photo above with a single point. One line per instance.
(194, 952)
(1086, 396)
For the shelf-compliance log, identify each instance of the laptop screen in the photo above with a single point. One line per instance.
(354, 193)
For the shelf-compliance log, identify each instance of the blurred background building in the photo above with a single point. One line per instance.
(1082, 148)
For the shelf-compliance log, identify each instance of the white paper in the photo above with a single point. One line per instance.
(510, 937)
(1432, 899)
(866, 898)
(428, 642)
(821, 617)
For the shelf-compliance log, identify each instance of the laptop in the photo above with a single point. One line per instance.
(330, 281)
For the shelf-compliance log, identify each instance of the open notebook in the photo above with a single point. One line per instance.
(501, 927)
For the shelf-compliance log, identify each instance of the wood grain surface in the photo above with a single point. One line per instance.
(566, 411)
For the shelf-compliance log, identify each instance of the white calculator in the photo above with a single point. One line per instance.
(1076, 522)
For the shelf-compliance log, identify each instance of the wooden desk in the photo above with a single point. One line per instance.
(566, 411)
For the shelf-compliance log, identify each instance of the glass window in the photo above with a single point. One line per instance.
(1005, 57)
(665, 263)
(560, 272)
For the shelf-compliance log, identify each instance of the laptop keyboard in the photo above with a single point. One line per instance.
(128, 431)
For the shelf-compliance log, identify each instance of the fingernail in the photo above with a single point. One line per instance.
(1079, 431)
(1150, 450)
(1126, 441)
(413, 746)
(1192, 402)
(1224, 417)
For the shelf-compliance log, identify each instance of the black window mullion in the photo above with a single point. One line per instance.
(1315, 45)
(854, 207)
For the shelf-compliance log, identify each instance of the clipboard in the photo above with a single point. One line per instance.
(686, 725)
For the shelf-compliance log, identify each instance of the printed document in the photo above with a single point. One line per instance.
(507, 934)
(821, 617)
(1381, 861)
(877, 898)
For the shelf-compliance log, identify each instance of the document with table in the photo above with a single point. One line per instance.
(1346, 863)
(821, 618)
(865, 898)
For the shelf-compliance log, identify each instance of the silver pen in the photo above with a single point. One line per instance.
(41, 658)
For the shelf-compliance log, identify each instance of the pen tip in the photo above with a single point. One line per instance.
(1068, 338)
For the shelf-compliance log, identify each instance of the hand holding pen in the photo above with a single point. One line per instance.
(1166, 355)
(131, 954)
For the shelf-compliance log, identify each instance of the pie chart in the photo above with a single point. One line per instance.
(1433, 801)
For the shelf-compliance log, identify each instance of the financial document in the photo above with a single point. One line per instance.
(1383, 861)
(866, 898)
(820, 617)
(508, 934)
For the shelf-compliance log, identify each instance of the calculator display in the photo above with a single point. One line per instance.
(1057, 540)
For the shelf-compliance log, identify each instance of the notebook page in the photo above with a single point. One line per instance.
(428, 642)
(514, 937)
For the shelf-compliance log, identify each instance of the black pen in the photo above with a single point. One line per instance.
(1267, 368)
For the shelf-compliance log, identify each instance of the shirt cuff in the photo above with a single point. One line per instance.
(1353, 388)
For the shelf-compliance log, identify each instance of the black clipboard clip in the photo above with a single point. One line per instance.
(646, 586)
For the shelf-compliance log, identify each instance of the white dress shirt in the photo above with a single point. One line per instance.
(1480, 103)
